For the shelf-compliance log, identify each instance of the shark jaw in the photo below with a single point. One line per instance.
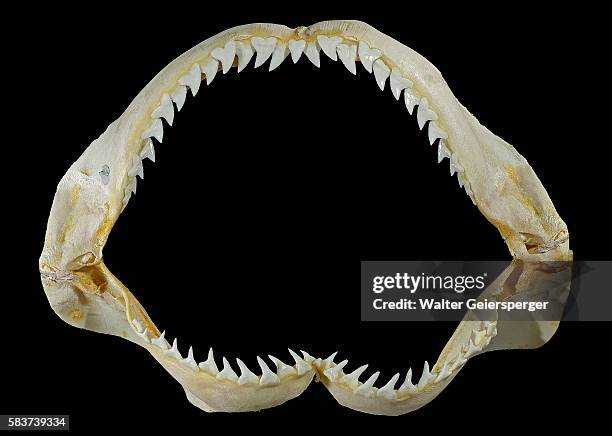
(98, 186)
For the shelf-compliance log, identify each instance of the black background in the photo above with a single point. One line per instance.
(248, 231)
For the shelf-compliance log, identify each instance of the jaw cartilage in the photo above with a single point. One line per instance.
(99, 185)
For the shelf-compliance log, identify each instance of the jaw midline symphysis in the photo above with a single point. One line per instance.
(224, 389)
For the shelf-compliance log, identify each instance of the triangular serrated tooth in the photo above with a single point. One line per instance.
(137, 169)
(458, 362)
(443, 151)
(296, 47)
(426, 377)
(179, 96)
(138, 325)
(126, 198)
(381, 73)
(388, 390)
(246, 375)
(210, 69)
(192, 79)
(444, 373)
(148, 151)
(456, 168)
(155, 130)
(165, 109)
(410, 100)
(348, 54)
(366, 389)
(307, 357)
(264, 48)
(267, 376)
(329, 44)
(161, 341)
(328, 362)
(278, 55)
(398, 83)
(225, 55)
(227, 373)
(334, 372)
(173, 351)
(190, 361)
(407, 386)
(368, 55)
(352, 379)
(282, 369)
(245, 52)
(471, 349)
(424, 113)
(460, 179)
(312, 53)
(132, 184)
(209, 365)
(434, 132)
(301, 365)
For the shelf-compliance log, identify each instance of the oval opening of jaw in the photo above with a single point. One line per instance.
(109, 171)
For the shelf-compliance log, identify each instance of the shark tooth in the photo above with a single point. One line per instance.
(161, 341)
(407, 386)
(264, 48)
(245, 52)
(296, 47)
(328, 44)
(246, 375)
(173, 351)
(189, 361)
(312, 53)
(165, 110)
(144, 335)
(348, 54)
(210, 69)
(367, 389)
(225, 55)
(444, 373)
(328, 362)
(278, 55)
(227, 373)
(301, 365)
(209, 365)
(352, 379)
(398, 83)
(388, 390)
(410, 100)
(179, 96)
(155, 130)
(434, 132)
(282, 369)
(368, 55)
(443, 151)
(192, 79)
(425, 114)
(333, 373)
(426, 377)
(381, 73)
(267, 376)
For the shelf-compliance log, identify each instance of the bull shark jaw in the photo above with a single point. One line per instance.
(98, 186)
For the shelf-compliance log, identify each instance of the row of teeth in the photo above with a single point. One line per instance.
(478, 340)
(277, 50)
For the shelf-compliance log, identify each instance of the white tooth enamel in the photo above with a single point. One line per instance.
(192, 79)
(435, 132)
(334, 372)
(477, 336)
(161, 341)
(388, 390)
(264, 48)
(425, 114)
(301, 365)
(352, 379)
(348, 54)
(398, 83)
(246, 376)
(126, 198)
(470, 350)
(459, 361)
(244, 51)
(426, 377)
(156, 130)
(144, 335)
(267, 376)
(491, 328)
(329, 44)
(381, 73)
(456, 168)
(209, 365)
(138, 325)
(368, 55)
(210, 69)
(148, 151)
(307, 357)
(443, 151)
(174, 352)
(312, 53)
(278, 56)
(460, 179)
(366, 389)
(178, 96)
(165, 109)
(132, 184)
(225, 55)
(190, 361)
(328, 362)
(137, 169)
(282, 369)
(410, 100)
(407, 386)
(444, 373)
(227, 373)
(296, 47)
